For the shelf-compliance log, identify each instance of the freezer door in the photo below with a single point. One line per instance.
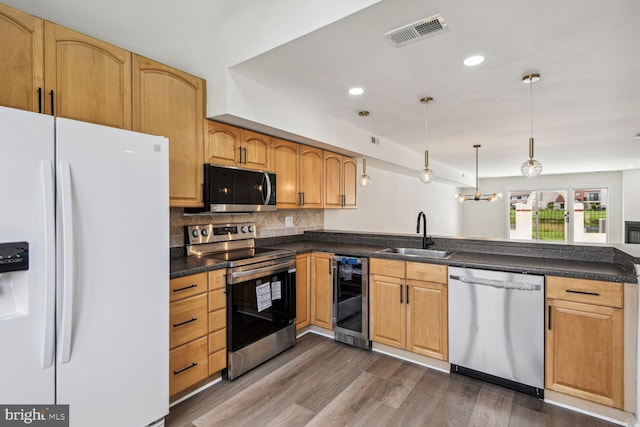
(113, 274)
(26, 221)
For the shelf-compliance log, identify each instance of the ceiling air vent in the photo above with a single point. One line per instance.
(417, 30)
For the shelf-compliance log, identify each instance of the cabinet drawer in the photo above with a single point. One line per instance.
(217, 299)
(188, 364)
(387, 267)
(217, 320)
(427, 272)
(217, 361)
(187, 286)
(217, 340)
(217, 279)
(597, 292)
(188, 320)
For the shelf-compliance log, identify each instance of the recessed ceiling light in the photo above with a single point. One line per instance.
(637, 136)
(356, 91)
(474, 60)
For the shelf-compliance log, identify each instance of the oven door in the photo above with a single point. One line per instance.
(261, 301)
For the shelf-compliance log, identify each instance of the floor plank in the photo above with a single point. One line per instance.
(320, 382)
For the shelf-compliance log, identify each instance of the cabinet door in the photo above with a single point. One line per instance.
(349, 179)
(321, 290)
(90, 79)
(311, 177)
(222, 144)
(387, 317)
(285, 165)
(332, 181)
(427, 314)
(256, 150)
(584, 351)
(303, 291)
(170, 103)
(21, 60)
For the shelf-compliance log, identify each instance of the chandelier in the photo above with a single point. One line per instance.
(478, 195)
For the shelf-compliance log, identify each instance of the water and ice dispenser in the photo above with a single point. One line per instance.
(14, 279)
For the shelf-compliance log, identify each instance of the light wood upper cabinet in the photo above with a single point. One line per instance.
(285, 165)
(340, 177)
(256, 150)
(90, 80)
(170, 103)
(585, 340)
(409, 306)
(303, 291)
(311, 177)
(228, 145)
(321, 290)
(21, 60)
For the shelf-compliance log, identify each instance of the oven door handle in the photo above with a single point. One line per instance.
(256, 273)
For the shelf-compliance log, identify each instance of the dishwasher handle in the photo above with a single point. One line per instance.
(501, 284)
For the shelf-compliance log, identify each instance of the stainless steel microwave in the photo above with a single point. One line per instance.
(230, 189)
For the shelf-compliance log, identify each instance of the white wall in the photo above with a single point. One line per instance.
(631, 192)
(392, 203)
(483, 219)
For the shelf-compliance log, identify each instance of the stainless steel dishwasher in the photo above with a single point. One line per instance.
(496, 327)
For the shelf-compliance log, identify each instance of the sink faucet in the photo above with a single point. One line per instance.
(426, 241)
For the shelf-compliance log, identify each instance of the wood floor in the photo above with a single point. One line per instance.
(320, 382)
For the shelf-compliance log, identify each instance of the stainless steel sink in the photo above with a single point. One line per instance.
(424, 253)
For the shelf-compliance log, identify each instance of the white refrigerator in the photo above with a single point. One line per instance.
(86, 323)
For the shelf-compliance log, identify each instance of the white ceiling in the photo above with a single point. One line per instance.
(586, 107)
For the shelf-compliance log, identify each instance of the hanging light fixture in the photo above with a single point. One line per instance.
(531, 168)
(478, 195)
(365, 179)
(426, 174)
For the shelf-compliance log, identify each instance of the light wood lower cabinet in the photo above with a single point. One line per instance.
(321, 290)
(188, 329)
(585, 339)
(217, 321)
(409, 306)
(303, 291)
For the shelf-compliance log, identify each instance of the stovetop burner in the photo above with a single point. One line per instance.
(229, 242)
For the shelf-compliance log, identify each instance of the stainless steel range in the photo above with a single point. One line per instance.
(261, 292)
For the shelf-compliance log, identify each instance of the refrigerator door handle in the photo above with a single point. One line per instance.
(48, 189)
(68, 264)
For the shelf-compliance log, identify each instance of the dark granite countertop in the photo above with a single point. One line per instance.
(606, 263)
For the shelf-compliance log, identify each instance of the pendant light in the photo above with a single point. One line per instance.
(478, 195)
(531, 168)
(426, 174)
(365, 179)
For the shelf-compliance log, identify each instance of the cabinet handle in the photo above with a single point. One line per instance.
(40, 100)
(194, 364)
(571, 291)
(302, 194)
(240, 155)
(52, 103)
(193, 319)
(343, 200)
(407, 294)
(400, 294)
(244, 150)
(549, 317)
(185, 288)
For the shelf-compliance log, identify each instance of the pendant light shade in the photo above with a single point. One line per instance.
(365, 179)
(426, 175)
(531, 168)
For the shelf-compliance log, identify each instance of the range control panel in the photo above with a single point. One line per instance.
(14, 256)
(212, 233)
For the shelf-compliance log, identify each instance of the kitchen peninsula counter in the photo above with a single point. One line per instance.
(612, 263)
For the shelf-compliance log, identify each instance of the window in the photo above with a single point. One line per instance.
(550, 216)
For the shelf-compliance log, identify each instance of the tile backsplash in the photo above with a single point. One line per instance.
(268, 224)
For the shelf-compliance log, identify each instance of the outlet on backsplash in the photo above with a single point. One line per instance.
(268, 224)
